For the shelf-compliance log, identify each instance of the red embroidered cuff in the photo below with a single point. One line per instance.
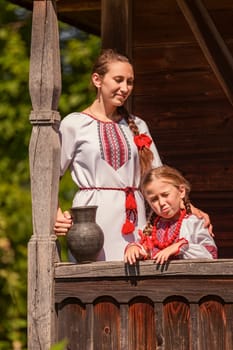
(182, 244)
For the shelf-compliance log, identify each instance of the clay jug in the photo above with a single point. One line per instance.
(85, 238)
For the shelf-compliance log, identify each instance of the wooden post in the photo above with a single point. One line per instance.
(116, 29)
(44, 154)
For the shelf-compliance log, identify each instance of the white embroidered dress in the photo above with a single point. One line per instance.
(104, 155)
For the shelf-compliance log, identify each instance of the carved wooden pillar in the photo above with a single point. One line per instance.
(44, 154)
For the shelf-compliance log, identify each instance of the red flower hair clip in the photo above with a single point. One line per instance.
(142, 140)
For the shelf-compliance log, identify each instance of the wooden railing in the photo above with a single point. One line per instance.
(185, 305)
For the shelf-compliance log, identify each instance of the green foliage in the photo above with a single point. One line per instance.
(60, 346)
(15, 203)
(77, 60)
(78, 52)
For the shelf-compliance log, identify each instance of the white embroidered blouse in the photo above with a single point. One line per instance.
(103, 160)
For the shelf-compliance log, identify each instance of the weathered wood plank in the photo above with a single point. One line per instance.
(80, 5)
(72, 323)
(163, 22)
(124, 342)
(169, 57)
(177, 323)
(229, 325)
(159, 326)
(195, 267)
(216, 5)
(106, 326)
(141, 324)
(157, 288)
(193, 331)
(88, 336)
(212, 321)
(211, 43)
(215, 113)
(194, 142)
(170, 86)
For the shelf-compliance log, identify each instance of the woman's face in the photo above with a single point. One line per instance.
(117, 84)
(164, 198)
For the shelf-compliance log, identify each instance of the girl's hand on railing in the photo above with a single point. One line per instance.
(134, 252)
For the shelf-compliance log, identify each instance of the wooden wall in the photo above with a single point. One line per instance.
(190, 117)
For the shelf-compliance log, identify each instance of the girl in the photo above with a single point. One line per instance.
(172, 231)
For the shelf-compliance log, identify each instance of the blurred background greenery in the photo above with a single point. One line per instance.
(78, 51)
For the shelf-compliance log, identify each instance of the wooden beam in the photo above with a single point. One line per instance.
(211, 43)
(78, 6)
(191, 268)
(66, 5)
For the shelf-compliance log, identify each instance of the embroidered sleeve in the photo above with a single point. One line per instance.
(182, 247)
(200, 244)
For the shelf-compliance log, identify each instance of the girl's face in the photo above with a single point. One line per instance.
(117, 84)
(164, 198)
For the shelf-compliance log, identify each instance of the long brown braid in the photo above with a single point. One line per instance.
(101, 67)
(145, 155)
(172, 176)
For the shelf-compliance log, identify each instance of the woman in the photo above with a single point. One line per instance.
(107, 150)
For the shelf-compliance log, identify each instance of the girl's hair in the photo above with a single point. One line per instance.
(171, 176)
(101, 67)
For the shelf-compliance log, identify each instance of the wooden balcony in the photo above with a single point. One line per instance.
(185, 305)
(108, 306)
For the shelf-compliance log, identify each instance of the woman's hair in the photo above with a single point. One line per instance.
(100, 67)
(106, 57)
(171, 176)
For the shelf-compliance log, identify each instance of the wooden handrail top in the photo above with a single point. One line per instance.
(199, 268)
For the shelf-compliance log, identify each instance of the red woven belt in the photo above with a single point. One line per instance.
(130, 206)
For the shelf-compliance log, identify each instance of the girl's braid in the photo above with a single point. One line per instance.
(150, 222)
(187, 205)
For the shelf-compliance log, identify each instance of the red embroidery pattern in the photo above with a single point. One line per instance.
(164, 235)
(131, 212)
(212, 250)
(114, 146)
